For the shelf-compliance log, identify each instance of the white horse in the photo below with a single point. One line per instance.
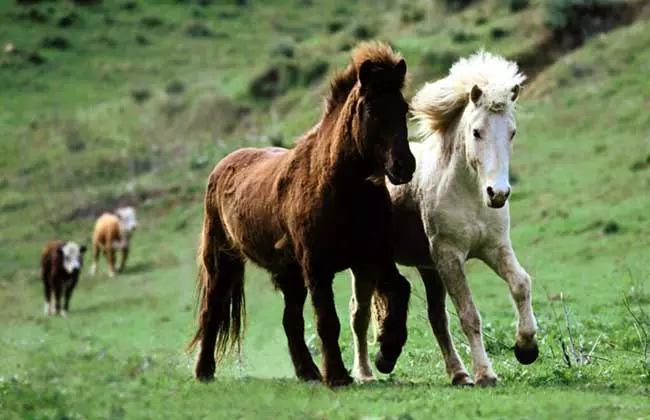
(456, 208)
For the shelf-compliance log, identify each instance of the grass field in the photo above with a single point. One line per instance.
(75, 142)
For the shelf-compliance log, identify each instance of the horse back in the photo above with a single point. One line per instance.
(242, 194)
(107, 230)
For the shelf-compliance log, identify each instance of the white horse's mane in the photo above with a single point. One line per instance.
(438, 104)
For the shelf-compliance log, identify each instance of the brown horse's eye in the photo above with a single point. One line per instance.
(477, 134)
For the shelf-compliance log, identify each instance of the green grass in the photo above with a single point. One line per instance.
(582, 160)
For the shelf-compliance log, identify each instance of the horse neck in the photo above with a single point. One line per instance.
(338, 150)
(450, 151)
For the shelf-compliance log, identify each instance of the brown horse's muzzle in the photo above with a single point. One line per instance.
(400, 167)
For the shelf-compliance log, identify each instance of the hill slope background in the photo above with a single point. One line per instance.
(135, 101)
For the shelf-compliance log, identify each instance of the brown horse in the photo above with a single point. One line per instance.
(307, 213)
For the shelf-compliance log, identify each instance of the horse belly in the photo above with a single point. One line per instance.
(411, 246)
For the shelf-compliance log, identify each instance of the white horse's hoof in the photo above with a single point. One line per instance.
(362, 377)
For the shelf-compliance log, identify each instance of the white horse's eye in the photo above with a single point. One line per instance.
(477, 133)
(512, 136)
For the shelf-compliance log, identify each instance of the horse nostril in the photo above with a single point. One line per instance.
(490, 192)
(508, 193)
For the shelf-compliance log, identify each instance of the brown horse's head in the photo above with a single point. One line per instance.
(381, 112)
(372, 85)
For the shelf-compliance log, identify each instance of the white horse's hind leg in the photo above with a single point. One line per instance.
(360, 304)
(450, 267)
(504, 262)
(436, 295)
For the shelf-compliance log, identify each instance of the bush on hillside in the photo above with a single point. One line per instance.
(283, 49)
(518, 5)
(315, 71)
(275, 80)
(577, 20)
(456, 5)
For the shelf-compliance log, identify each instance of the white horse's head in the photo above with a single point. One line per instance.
(472, 109)
(488, 129)
(127, 218)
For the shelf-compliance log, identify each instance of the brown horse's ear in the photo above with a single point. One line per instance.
(515, 92)
(365, 73)
(475, 94)
(400, 68)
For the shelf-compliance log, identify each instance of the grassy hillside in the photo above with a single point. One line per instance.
(149, 95)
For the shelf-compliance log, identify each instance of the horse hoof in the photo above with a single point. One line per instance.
(383, 364)
(526, 356)
(204, 370)
(462, 379)
(311, 375)
(487, 382)
(337, 382)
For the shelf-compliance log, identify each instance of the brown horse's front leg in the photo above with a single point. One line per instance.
(295, 293)
(390, 305)
(329, 328)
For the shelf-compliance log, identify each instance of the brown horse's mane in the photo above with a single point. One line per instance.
(379, 53)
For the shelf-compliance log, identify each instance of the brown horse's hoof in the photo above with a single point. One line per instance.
(338, 381)
(204, 370)
(383, 363)
(311, 374)
(462, 379)
(487, 382)
(526, 356)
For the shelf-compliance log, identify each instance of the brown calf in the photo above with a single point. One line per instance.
(61, 264)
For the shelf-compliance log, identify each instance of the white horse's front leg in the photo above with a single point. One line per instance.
(360, 304)
(504, 262)
(449, 264)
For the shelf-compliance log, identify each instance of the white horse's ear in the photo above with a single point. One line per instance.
(515, 92)
(475, 94)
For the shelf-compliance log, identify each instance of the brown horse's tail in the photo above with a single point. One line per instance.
(221, 299)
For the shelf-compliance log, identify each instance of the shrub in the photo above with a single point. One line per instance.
(315, 71)
(518, 5)
(283, 49)
(175, 87)
(275, 80)
(140, 94)
(456, 5)
(56, 42)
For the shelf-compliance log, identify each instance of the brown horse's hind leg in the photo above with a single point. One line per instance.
(329, 328)
(439, 321)
(294, 292)
(220, 319)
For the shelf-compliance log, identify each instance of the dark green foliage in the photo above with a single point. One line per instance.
(456, 5)
(175, 87)
(363, 32)
(141, 94)
(275, 80)
(198, 29)
(315, 71)
(518, 5)
(283, 49)
(56, 42)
